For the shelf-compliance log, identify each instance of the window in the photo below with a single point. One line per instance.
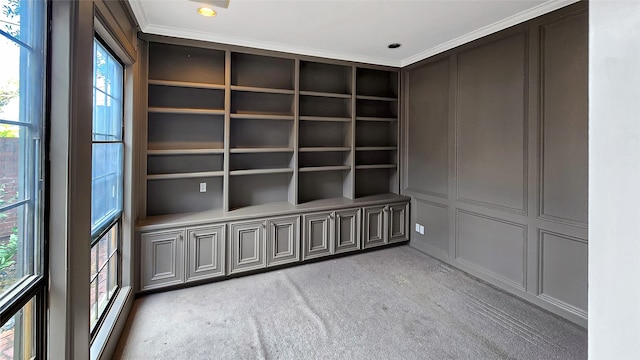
(22, 82)
(107, 180)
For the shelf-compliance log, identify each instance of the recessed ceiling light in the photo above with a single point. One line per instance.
(206, 11)
(394, 46)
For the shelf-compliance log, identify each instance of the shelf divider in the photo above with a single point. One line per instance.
(376, 148)
(260, 150)
(190, 175)
(170, 110)
(325, 118)
(375, 166)
(371, 118)
(187, 84)
(262, 90)
(324, 149)
(325, 168)
(377, 98)
(186, 152)
(325, 94)
(261, 117)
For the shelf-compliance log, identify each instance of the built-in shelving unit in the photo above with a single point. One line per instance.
(264, 129)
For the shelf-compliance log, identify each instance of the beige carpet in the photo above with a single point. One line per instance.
(394, 303)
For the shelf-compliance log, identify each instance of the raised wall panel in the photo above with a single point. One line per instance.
(316, 238)
(283, 240)
(206, 252)
(163, 259)
(491, 124)
(398, 222)
(428, 129)
(374, 233)
(246, 246)
(435, 219)
(564, 270)
(493, 245)
(564, 117)
(347, 230)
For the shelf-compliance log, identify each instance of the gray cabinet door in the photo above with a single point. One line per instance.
(316, 240)
(347, 230)
(162, 259)
(246, 246)
(374, 233)
(283, 240)
(205, 252)
(398, 225)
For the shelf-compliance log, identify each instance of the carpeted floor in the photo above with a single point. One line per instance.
(393, 303)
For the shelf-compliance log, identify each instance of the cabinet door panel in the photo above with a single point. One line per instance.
(283, 240)
(374, 227)
(205, 249)
(347, 230)
(398, 222)
(247, 250)
(317, 235)
(162, 259)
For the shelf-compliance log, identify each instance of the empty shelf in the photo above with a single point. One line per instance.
(185, 152)
(262, 116)
(259, 150)
(185, 175)
(186, 84)
(261, 90)
(325, 118)
(260, 171)
(324, 148)
(376, 148)
(325, 94)
(325, 168)
(378, 98)
(168, 110)
(370, 118)
(376, 166)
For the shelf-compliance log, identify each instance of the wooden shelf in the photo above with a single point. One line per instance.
(324, 149)
(261, 90)
(369, 118)
(260, 150)
(186, 84)
(262, 117)
(377, 98)
(260, 171)
(375, 166)
(376, 148)
(168, 110)
(325, 94)
(186, 152)
(325, 168)
(325, 118)
(185, 175)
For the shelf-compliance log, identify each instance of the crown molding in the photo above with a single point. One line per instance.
(138, 12)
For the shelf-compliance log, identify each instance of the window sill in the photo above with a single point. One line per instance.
(106, 340)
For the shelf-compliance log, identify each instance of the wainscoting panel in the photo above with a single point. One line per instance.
(564, 119)
(564, 270)
(427, 142)
(491, 124)
(494, 245)
(511, 111)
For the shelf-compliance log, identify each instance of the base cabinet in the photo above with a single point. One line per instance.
(205, 253)
(347, 231)
(385, 224)
(316, 241)
(247, 246)
(283, 240)
(328, 233)
(179, 255)
(162, 259)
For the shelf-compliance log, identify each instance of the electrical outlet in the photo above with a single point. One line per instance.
(417, 227)
(203, 187)
(422, 229)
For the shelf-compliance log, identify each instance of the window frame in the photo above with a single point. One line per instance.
(33, 287)
(115, 219)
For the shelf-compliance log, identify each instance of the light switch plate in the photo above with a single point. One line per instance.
(203, 187)
(417, 227)
(422, 229)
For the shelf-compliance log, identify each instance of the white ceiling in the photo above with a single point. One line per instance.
(355, 30)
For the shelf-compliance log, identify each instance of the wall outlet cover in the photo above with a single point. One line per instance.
(203, 187)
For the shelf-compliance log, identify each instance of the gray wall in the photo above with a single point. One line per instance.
(496, 158)
(614, 178)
